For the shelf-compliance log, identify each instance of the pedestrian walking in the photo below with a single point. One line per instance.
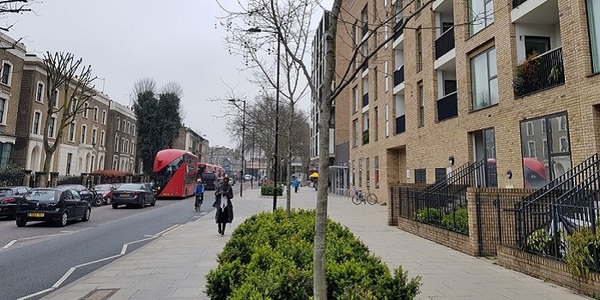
(199, 191)
(224, 208)
(295, 184)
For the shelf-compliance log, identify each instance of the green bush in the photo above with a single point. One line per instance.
(11, 175)
(429, 215)
(267, 190)
(539, 241)
(459, 221)
(269, 256)
(580, 253)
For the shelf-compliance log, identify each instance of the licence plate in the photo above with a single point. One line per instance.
(123, 195)
(36, 214)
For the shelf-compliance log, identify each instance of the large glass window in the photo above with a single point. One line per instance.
(546, 152)
(5, 154)
(484, 79)
(481, 14)
(2, 110)
(51, 127)
(593, 10)
(37, 116)
(39, 96)
(6, 73)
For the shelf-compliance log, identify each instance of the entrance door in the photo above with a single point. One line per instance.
(485, 150)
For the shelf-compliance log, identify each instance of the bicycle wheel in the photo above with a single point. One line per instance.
(356, 200)
(371, 199)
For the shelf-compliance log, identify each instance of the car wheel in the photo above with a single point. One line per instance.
(63, 220)
(86, 215)
(114, 205)
(21, 223)
(98, 201)
(142, 203)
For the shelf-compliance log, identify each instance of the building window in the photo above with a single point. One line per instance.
(421, 103)
(420, 175)
(376, 121)
(69, 159)
(103, 117)
(116, 143)
(563, 123)
(3, 102)
(124, 127)
(440, 173)
(37, 118)
(132, 148)
(94, 133)
(118, 123)
(102, 138)
(39, 94)
(387, 120)
(355, 133)
(133, 129)
(54, 98)
(51, 127)
(365, 131)
(593, 15)
(484, 78)
(360, 172)
(530, 131)
(122, 144)
(419, 50)
(95, 113)
(531, 149)
(368, 172)
(481, 14)
(536, 45)
(386, 76)
(85, 110)
(376, 162)
(6, 75)
(83, 134)
(72, 132)
(356, 101)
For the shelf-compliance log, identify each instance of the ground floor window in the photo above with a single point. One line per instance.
(5, 154)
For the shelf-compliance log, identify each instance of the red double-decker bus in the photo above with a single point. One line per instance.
(175, 173)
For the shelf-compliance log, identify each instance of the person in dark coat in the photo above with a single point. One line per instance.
(224, 208)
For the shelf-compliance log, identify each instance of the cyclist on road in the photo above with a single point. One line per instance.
(199, 191)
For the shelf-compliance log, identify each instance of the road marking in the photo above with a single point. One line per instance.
(9, 244)
(72, 269)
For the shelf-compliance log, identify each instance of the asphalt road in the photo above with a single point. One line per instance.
(39, 258)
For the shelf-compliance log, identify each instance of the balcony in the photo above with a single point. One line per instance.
(399, 76)
(365, 137)
(539, 73)
(447, 107)
(365, 100)
(444, 43)
(400, 124)
(539, 12)
(516, 3)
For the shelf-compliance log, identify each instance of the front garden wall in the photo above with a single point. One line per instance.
(456, 241)
(547, 269)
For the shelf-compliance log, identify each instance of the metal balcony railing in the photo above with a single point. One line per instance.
(447, 107)
(539, 73)
(444, 43)
(399, 76)
(516, 3)
(400, 124)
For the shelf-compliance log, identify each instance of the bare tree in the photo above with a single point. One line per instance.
(12, 7)
(73, 80)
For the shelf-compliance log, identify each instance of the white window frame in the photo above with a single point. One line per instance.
(122, 144)
(96, 113)
(57, 98)
(133, 129)
(52, 128)
(94, 136)
(4, 114)
(387, 120)
(83, 137)
(116, 143)
(85, 110)
(102, 136)
(103, 117)
(9, 77)
(72, 132)
(118, 123)
(36, 129)
(39, 92)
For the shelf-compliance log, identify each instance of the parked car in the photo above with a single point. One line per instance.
(58, 205)
(9, 197)
(138, 194)
(86, 194)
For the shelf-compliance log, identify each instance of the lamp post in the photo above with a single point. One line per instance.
(275, 167)
(243, 135)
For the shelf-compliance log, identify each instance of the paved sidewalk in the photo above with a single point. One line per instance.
(174, 265)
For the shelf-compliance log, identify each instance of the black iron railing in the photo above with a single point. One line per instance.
(516, 3)
(444, 43)
(400, 124)
(447, 107)
(399, 76)
(365, 101)
(542, 72)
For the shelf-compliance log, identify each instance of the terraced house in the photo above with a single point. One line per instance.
(509, 84)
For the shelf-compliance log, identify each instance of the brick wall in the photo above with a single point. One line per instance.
(456, 241)
(547, 269)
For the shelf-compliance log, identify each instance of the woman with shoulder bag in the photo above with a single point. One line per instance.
(224, 208)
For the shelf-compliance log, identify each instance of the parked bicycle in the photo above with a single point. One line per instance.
(359, 196)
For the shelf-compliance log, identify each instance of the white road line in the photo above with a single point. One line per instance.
(97, 261)
(124, 249)
(9, 244)
(168, 229)
(64, 277)
(37, 294)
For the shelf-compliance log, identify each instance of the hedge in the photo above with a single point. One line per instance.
(270, 256)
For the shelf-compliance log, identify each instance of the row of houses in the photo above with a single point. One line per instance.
(512, 83)
(103, 137)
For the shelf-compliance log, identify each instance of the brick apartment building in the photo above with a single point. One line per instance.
(511, 84)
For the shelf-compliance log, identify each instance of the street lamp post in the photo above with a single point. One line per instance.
(275, 167)
(243, 136)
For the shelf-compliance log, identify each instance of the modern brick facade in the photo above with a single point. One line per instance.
(420, 101)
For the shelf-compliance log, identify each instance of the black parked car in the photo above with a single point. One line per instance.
(9, 197)
(58, 205)
(91, 196)
(138, 194)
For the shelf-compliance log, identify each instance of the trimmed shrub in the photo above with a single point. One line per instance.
(269, 256)
(267, 190)
(11, 175)
(457, 221)
(429, 215)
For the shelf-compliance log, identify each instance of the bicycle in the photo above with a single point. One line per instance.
(372, 195)
(359, 197)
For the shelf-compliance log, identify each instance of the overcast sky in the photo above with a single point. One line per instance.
(127, 40)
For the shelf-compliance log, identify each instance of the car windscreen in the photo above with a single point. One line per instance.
(42, 195)
(5, 192)
(130, 186)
